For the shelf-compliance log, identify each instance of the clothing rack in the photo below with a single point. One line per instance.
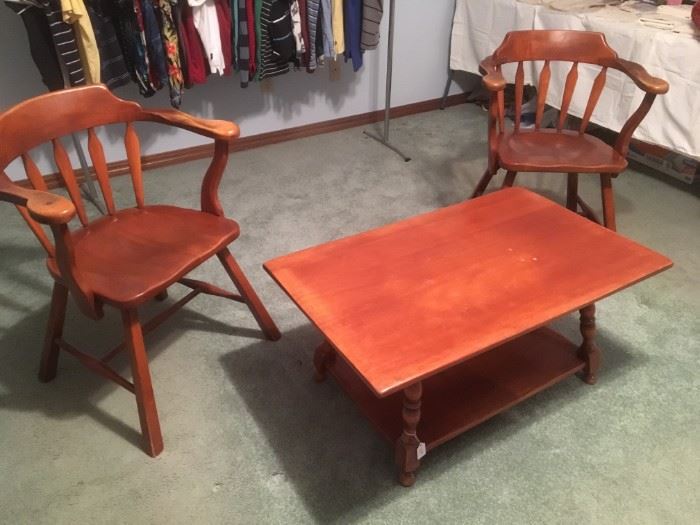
(384, 138)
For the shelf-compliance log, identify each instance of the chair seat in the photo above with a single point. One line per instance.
(562, 152)
(128, 258)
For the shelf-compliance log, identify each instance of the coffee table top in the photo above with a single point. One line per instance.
(407, 300)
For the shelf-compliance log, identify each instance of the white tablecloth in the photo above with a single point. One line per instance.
(673, 122)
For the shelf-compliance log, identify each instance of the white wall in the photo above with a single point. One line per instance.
(421, 47)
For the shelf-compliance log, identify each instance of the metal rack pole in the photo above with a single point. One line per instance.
(384, 139)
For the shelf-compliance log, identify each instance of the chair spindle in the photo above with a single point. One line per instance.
(98, 162)
(542, 88)
(519, 86)
(569, 87)
(500, 108)
(133, 154)
(38, 183)
(68, 175)
(33, 173)
(597, 89)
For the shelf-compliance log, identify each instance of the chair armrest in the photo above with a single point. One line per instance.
(215, 129)
(44, 207)
(493, 79)
(642, 78)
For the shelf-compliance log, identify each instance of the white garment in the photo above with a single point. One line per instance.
(296, 28)
(207, 24)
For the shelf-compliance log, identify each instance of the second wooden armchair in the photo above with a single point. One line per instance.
(560, 150)
(129, 256)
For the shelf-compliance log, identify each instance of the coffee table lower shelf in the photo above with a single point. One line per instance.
(471, 392)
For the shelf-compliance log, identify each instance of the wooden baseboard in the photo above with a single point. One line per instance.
(169, 158)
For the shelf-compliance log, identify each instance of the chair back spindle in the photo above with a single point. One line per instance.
(569, 87)
(100, 165)
(519, 87)
(68, 176)
(598, 85)
(542, 88)
(133, 155)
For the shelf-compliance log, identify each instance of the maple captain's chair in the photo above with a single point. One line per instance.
(560, 150)
(129, 256)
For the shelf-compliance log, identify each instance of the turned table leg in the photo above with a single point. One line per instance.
(589, 350)
(408, 443)
(323, 357)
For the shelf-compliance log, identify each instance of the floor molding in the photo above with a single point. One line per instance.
(169, 158)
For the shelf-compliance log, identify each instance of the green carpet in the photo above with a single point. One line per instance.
(250, 438)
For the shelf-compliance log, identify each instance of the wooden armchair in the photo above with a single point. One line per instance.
(129, 256)
(560, 150)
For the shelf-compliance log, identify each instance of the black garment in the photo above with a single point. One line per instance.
(154, 45)
(181, 47)
(280, 32)
(66, 44)
(113, 71)
(41, 45)
(129, 36)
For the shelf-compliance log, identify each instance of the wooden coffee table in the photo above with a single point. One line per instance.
(436, 323)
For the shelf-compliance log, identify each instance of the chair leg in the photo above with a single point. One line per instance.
(572, 192)
(54, 330)
(608, 201)
(162, 296)
(509, 180)
(482, 184)
(267, 325)
(143, 389)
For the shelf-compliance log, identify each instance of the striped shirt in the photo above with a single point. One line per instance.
(372, 11)
(268, 67)
(312, 21)
(66, 45)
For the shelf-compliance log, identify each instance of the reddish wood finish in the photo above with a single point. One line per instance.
(428, 296)
(129, 256)
(54, 330)
(569, 88)
(559, 150)
(408, 442)
(589, 350)
(145, 400)
(99, 164)
(397, 301)
(468, 394)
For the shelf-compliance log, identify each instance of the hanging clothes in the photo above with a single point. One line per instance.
(196, 61)
(254, 48)
(353, 32)
(312, 12)
(171, 50)
(74, 12)
(207, 23)
(181, 44)
(281, 32)
(223, 14)
(274, 62)
(41, 45)
(234, 33)
(327, 26)
(65, 42)
(113, 70)
(372, 11)
(243, 49)
(304, 62)
(255, 35)
(338, 26)
(158, 72)
(295, 14)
